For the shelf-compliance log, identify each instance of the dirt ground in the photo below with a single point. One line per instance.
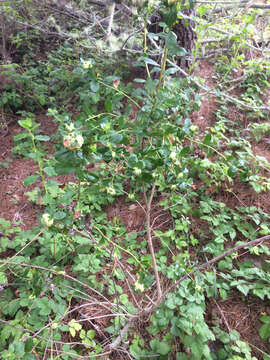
(237, 312)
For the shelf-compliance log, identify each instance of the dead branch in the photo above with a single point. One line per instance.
(119, 338)
(111, 10)
(217, 258)
(153, 307)
(207, 90)
(148, 203)
(223, 316)
(243, 4)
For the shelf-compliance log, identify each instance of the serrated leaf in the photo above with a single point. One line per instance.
(59, 215)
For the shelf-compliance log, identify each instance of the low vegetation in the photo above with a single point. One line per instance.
(143, 229)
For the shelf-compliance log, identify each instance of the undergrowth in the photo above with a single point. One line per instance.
(80, 285)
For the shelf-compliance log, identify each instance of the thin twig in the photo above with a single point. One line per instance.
(23, 248)
(223, 316)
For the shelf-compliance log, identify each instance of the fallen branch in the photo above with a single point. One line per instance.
(119, 338)
(243, 4)
(217, 258)
(111, 11)
(229, 98)
(152, 308)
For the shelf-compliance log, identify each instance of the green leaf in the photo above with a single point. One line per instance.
(59, 215)
(29, 344)
(132, 160)
(184, 151)
(77, 326)
(91, 334)
(42, 138)
(265, 319)
(137, 80)
(50, 171)
(26, 123)
(3, 278)
(149, 61)
(72, 331)
(171, 71)
(20, 136)
(201, 10)
(94, 86)
(160, 347)
(173, 47)
(108, 105)
(30, 180)
(19, 348)
(207, 139)
(116, 138)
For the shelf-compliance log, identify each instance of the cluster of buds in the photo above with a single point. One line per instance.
(72, 140)
(87, 64)
(47, 220)
(110, 190)
(137, 171)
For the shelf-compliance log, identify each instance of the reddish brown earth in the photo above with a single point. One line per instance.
(237, 312)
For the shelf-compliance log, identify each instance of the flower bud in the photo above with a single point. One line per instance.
(193, 128)
(72, 141)
(137, 171)
(86, 64)
(110, 190)
(47, 220)
(173, 155)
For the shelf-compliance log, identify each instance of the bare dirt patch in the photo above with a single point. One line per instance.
(242, 314)
(205, 117)
(14, 203)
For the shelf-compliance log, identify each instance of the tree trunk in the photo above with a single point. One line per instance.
(186, 37)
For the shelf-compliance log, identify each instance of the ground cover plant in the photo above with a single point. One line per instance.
(150, 215)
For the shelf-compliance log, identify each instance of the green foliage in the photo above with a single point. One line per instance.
(125, 142)
(265, 328)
